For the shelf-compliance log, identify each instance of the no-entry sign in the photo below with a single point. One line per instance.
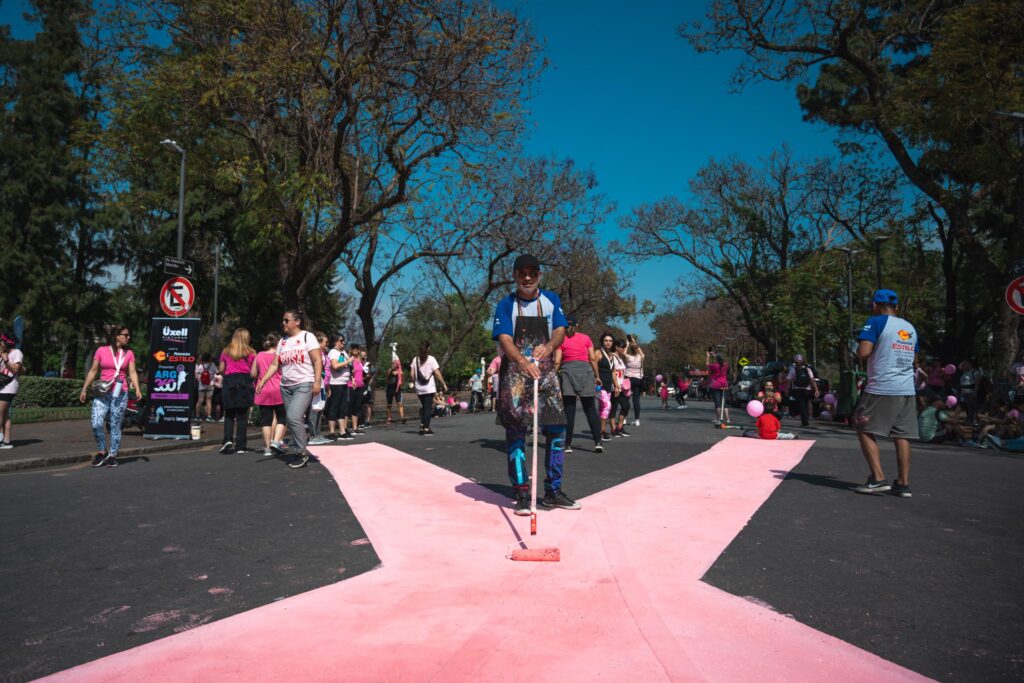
(1015, 295)
(177, 296)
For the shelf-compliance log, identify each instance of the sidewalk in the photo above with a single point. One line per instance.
(66, 442)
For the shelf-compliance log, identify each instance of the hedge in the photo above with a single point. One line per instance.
(47, 392)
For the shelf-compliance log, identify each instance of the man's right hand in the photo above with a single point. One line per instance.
(529, 367)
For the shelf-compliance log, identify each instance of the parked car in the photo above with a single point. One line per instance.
(746, 386)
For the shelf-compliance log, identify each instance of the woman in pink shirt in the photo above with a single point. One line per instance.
(718, 382)
(237, 393)
(268, 397)
(576, 363)
(114, 364)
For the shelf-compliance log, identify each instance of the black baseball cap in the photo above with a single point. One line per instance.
(525, 261)
(570, 320)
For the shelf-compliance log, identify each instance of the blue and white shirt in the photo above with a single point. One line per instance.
(508, 310)
(891, 363)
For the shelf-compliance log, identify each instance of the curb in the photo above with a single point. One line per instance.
(63, 460)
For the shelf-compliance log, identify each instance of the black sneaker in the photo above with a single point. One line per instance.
(347, 436)
(298, 461)
(623, 432)
(97, 460)
(617, 433)
(522, 503)
(428, 432)
(557, 499)
(228, 447)
(110, 461)
(901, 490)
(598, 448)
(872, 486)
(605, 437)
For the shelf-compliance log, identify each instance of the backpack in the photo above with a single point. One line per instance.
(801, 378)
(204, 378)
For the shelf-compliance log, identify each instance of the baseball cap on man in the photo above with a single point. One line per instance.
(570, 320)
(885, 296)
(525, 261)
(798, 358)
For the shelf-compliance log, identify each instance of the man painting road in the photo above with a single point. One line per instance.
(529, 325)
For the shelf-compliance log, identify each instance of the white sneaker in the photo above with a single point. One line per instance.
(636, 423)
(6, 445)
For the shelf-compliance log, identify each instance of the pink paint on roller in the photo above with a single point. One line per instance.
(625, 603)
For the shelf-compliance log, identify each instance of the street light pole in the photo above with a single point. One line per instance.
(878, 260)
(175, 147)
(216, 278)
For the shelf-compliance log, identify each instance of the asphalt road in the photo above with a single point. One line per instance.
(97, 561)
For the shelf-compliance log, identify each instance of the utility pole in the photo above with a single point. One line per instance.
(847, 380)
(878, 260)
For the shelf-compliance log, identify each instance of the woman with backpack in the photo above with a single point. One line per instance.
(801, 383)
(425, 370)
(205, 372)
(115, 365)
(237, 392)
(301, 363)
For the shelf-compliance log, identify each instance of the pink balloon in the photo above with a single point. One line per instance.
(755, 409)
(1014, 413)
(658, 378)
(951, 401)
(949, 369)
(464, 406)
(830, 399)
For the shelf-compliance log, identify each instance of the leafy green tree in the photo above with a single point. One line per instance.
(320, 117)
(925, 79)
(52, 218)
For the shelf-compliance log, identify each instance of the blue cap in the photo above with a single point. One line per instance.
(886, 296)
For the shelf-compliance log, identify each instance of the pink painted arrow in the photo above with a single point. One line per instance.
(625, 603)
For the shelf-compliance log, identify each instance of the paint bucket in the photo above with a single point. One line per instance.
(197, 432)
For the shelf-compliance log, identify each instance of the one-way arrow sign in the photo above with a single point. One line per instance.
(178, 266)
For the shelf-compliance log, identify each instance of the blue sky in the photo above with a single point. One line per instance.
(626, 97)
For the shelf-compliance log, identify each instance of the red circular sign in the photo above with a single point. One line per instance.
(1015, 295)
(177, 296)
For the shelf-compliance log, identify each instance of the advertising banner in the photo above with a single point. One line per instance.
(173, 345)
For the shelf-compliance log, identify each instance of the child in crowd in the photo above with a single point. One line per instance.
(663, 392)
(439, 404)
(995, 419)
(450, 407)
(767, 427)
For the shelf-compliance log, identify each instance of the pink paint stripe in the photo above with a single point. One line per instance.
(625, 603)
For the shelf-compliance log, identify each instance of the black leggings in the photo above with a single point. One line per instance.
(680, 396)
(426, 409)
(589, 409)
(637, 386)
(235, 425)
(620, 405)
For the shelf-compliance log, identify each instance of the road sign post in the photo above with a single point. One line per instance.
(177, 297)
(178, 266)
(1015, 296)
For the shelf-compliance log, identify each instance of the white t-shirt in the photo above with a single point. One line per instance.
(419, 373)
(13, 356)
(342, 376)
(293, 357)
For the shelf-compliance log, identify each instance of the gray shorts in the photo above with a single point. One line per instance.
(577, 379)
(892, 416)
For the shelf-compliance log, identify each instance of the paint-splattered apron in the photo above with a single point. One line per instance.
(515, 387)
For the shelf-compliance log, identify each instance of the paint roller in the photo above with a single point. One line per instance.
(535, 554)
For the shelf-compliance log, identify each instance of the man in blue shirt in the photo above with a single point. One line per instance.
(529, 325)
(887, 407)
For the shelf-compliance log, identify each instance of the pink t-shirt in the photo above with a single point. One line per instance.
(718, 375)
(576, 347)
(356, 382)
(293, 355)
(270, 394)
(105, 356)
(234, 366)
